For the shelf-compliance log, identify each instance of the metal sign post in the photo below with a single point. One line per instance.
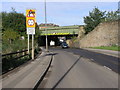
(28, 45)
(30, 24)
(32, 46)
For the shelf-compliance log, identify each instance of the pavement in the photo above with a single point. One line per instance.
(72, 68)
(28, 75)
(106, 52)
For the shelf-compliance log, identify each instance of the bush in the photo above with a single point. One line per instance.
(15, 46)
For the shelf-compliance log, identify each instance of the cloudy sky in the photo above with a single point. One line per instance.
(61, 13)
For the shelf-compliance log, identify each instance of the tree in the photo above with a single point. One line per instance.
(15, 21)
(10, 35)
(13, 27)
(112, 15)
(95, 17)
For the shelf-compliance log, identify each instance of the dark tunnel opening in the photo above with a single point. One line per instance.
(42, 40)
(55, 38)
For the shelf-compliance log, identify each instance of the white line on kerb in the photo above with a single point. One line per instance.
(107, 67)
(92, 59)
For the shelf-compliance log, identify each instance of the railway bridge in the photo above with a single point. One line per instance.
(58, 33)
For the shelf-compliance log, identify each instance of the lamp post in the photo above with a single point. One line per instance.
(46, 27)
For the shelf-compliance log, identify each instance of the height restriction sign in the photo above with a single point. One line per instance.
(30, 21)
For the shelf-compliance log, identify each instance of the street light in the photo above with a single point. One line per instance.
(46, 27)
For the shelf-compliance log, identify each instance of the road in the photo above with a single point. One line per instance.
(77, 68)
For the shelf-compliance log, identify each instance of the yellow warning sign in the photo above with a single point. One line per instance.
(30, 18)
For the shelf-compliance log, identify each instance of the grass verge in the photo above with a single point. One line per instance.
(114, 48)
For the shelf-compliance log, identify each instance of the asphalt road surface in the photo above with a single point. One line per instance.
(77, 68)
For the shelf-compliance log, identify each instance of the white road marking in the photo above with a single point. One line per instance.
(92, 59)
(107, 67)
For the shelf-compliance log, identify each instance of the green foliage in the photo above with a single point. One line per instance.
(94, 18)
(14, 46)
(15, 21)
(37, 31)
(10, 35)
(113, 15)
(13, 27)
(114, 47)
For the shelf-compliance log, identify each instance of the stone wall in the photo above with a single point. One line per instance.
(75, 43)
(72, 43)
(105, 34)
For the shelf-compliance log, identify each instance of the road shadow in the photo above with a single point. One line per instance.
(65, 74)
(51, 54)
(99, 58)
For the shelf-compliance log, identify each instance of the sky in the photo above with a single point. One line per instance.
(60, 13)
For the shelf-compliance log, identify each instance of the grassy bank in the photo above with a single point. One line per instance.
(114, 48)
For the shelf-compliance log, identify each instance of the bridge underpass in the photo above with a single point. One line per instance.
(55, 38)
(55, 33)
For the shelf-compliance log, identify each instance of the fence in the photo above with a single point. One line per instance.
(15, 59)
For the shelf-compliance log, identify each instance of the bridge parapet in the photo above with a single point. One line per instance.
(60, 31)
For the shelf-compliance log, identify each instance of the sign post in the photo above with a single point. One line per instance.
(30, 24)
(32, 46)
(28, 45)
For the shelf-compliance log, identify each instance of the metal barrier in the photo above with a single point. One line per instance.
(14, 59)
(15, 53)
